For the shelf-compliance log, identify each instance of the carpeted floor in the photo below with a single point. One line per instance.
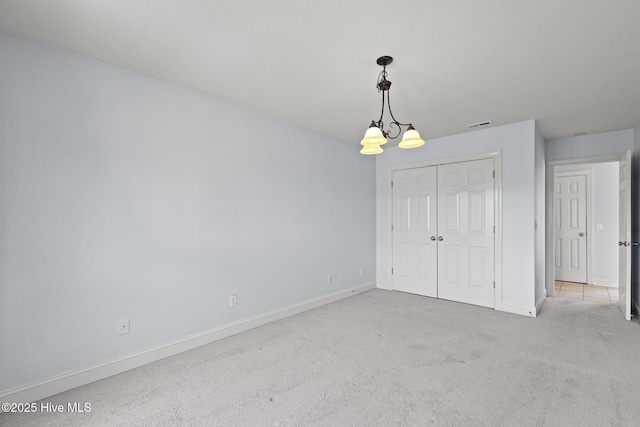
(386, 358)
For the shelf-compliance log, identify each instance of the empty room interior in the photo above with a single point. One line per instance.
(210, 214)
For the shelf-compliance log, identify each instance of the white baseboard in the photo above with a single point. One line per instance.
(523, 310)
(603, 282)
(58, 384)
(509, 308)
(382, 285)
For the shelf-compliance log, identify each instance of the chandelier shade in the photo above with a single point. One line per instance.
(371, 149)
(376, 135)
(411, 139)
(373, 136)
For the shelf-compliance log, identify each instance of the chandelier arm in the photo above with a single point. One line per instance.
(392, 116)
(394, 130)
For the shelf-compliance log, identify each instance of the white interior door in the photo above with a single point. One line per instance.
(466, 232)
(570, 235)
(414, 231)
(624, 277)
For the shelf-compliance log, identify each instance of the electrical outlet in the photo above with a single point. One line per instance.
(329, 278)
(233, 300)
(123, 326)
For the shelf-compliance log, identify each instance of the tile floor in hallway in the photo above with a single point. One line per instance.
(588, 293)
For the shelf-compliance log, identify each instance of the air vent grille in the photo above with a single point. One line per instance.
(475, 125)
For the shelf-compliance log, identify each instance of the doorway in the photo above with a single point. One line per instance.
(603, 259)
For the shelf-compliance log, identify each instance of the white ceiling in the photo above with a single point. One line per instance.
(572, 65)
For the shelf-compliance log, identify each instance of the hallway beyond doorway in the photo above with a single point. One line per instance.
(588, 293)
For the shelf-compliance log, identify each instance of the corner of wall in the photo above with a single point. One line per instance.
(635, 226)
(522, 310)
(540, 215)
(540, 302)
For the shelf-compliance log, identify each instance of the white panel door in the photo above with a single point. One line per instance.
(570, 239)
(466, 232)
(414, 231)
(624, 258)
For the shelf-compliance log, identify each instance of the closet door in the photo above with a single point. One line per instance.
(414, 231)
(466, 232)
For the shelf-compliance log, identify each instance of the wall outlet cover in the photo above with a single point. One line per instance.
(123, 326)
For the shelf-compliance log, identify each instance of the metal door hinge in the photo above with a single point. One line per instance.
(391, 184)
(494, 174)
(392, 271)
(494, 284)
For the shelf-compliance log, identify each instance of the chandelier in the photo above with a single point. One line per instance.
(376, 135)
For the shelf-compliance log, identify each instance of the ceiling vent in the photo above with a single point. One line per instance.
(475, 125)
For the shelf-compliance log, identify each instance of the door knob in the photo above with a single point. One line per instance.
(634, 243)
(581, 234)
(433, 238)
(622, 243)
(440, 238)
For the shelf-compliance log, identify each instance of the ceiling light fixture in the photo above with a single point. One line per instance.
(376, 135)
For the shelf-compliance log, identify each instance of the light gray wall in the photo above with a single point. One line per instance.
(516, 142)
(540, 215)
(605, 207)
(125, 197)
(599, 144)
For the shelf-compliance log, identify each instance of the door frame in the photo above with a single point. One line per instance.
(589, 215)
(549, 200)
(497, 205)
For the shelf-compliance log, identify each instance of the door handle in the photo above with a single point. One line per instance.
(634, 243)
(433, 238)
(622, 243)
(581, 234)
(440, 239)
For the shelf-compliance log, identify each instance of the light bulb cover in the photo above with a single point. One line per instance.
(373, 136)
(371, 149)
(411, 139)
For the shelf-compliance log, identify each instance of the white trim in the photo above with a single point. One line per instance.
(497, 185)
(389, 285)
(605, 282)
(447, 160)
(529, 311)
(60, 383)
(497, 182)
(385, 286)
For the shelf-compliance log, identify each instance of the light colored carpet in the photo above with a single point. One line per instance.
(386, 358)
